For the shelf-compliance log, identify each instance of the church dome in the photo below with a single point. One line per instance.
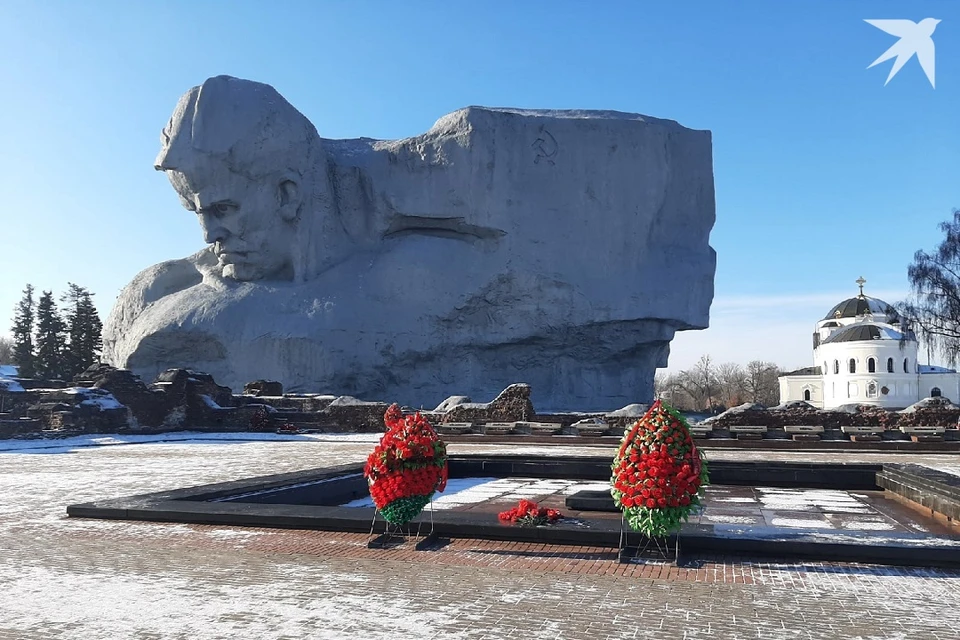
(863, 331)
(860, 306)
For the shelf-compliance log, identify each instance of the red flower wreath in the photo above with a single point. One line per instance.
(406, 467)
(658, 473)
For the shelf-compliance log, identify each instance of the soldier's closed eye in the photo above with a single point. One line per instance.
(224, 207)
(220, 208)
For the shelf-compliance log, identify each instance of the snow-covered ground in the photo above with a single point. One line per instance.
(77, 578)
(61, 445)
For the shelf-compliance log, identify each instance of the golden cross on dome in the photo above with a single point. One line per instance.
(860, 281)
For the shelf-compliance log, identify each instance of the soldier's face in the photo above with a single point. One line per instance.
(239, 217)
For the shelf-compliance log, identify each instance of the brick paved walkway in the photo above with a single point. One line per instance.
(73, 578)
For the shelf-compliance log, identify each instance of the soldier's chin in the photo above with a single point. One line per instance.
(241, 271)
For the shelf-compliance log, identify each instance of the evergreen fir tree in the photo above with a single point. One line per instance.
(71, 317)
(23, 320)
(50, 338)
(83, 328)
(93, 339)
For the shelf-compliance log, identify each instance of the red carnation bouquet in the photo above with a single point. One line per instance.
(530, 514)
(658, 473)
(407, 467)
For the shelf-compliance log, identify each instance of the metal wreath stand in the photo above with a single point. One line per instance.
(653, 548)
(395, 535)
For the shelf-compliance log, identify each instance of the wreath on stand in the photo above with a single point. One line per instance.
(658, 474)
(406, 468)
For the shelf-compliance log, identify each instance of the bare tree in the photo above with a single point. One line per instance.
(934, 308)
(6, 350)
(761, 384)
(700, 383)
(731, 384)
(660, 380)
(706, 385)
(668, 387)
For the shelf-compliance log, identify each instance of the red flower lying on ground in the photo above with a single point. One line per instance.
(530, 514)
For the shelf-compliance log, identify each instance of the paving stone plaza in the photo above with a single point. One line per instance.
(78, 578)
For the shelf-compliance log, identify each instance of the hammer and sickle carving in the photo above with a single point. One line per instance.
(545, 146)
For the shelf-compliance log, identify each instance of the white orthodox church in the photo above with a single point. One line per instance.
(864, 353)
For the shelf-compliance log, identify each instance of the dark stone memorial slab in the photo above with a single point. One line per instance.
(312, 499)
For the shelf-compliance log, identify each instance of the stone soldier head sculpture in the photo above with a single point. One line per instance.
(455, 256)
(254, 171)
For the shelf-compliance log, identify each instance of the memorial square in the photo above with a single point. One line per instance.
(389, 321)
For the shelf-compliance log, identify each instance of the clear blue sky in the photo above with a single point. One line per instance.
(822, 173)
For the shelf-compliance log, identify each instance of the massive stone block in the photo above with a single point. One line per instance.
(557, 248)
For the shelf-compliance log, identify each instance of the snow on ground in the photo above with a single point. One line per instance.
(815, 534)
(61, 445)
(464, 491)
(85, 578)
(79, 578)
(797, 523)
(93, 397)
(868, 525)
(286, 601)
(810, 500)
(720, 519)
(103, 403)
(946, 468)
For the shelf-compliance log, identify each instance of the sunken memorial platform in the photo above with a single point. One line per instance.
(827, 500)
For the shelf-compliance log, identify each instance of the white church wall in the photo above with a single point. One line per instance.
(807, 388)
(862, 386)
(948, 385)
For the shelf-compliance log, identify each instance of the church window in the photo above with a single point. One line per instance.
(871, 366)
(872, 390)
(889, 365)
(853, 365)
(825, 370)
(935, 392)
(884, 390)
(906, 368)
(806, 395)
(836, 366)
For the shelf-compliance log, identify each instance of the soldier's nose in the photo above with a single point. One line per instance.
(212, 230)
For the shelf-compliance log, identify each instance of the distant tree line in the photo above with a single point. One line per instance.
(55, 343)
(710, 387)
